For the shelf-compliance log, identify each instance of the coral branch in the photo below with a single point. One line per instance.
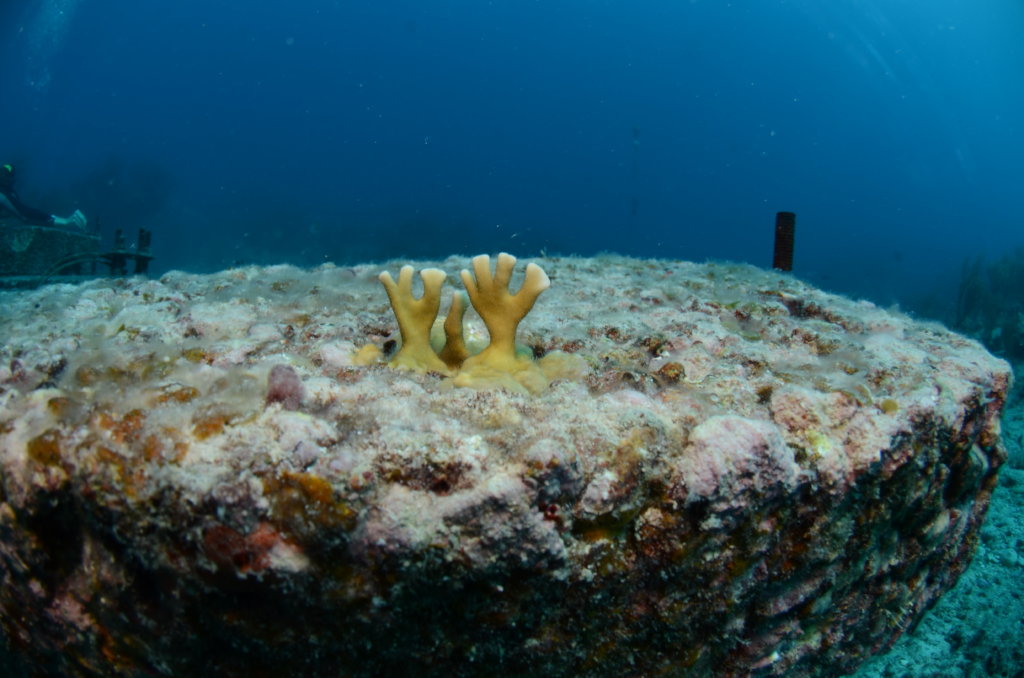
(501, 310)
(415, 317)
(455, 352)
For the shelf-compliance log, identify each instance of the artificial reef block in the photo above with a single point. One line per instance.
(732, 474)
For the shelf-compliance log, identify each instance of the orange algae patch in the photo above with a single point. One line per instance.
(244, 554)
(45, 447)
(107, 473)
(112, 460)
(889, 406)
(306, 502)
(300, 319)
(672, 371)
(87, 376)
(177, 394)
(210, 424)
(197, 355)
(125, 429)
(152, 449)
(114, 472)
(180, 450)
(58, 406)
(131, 424)
(167, 447)
(594, 533)
(230, 550)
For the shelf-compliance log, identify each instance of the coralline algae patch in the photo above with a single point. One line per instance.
(730, 474)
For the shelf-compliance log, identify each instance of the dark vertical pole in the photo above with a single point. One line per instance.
(117, 257)
(142, 251)
(785, 233)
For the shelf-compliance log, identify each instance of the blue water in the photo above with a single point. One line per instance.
(321, 130)
(305, 131)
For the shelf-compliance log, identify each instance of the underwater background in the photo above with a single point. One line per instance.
(305, 132)
(328, 130)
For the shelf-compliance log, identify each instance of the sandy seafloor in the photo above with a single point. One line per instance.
(977, 629)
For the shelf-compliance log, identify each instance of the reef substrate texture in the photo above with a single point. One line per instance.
(743, 476)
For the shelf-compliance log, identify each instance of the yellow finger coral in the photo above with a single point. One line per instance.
(455, 352)
(501, 311)
(415, 318)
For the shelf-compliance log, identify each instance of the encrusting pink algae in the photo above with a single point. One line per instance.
(654, 468)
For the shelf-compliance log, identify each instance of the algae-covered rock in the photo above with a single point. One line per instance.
(731, 474)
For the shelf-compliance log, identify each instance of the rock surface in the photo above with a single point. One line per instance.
(731, 474)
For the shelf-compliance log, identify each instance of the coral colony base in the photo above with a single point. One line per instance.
(665, 469)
